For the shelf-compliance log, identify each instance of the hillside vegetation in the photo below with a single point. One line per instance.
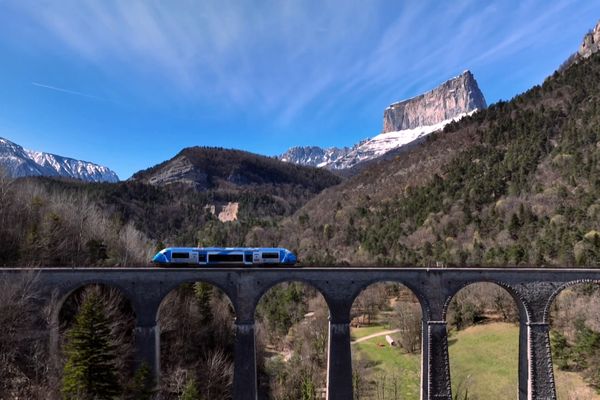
(517, 183)
(63, 222)
(211, 168)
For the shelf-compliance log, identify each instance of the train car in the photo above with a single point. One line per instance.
(218, 256)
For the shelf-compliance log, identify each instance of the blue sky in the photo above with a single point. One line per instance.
(128, 84)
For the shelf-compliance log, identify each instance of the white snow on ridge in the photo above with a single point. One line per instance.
(70, 167)
(385, 142)
(19, 162)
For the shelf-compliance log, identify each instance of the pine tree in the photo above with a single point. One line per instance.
(190, 392)
(90, 371)
(204, 292)
(140, 388)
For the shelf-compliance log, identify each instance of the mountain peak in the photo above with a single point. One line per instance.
(589, 45)
(456, 96)
(591, 42)
(20, 162)
(404, 122)
(313, 156)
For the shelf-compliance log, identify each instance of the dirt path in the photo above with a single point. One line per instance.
(382, 333)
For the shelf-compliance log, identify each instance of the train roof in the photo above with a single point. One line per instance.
(225, 248)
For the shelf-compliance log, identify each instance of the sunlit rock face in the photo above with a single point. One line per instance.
(591, 42)
(404, 122)
(457, 96)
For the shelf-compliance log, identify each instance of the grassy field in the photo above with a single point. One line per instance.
(483, 358)
(389, 363)
(571, 386)
(358, 333)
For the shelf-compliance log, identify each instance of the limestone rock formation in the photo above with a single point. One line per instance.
(591, 42)
(227, 212)
(589, 46)
(404, 122)
(454, 97)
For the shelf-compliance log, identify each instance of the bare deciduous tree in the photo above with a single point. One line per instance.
(370, 302)
(23, 338)
(407, 318)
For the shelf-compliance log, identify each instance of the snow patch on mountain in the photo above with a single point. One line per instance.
(20, 162)
(403, 122)
(385, 142)
(313, 156)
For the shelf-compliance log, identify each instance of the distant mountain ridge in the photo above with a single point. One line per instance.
(19, 162)
(403, 122)
(208, 168)
(313, 156)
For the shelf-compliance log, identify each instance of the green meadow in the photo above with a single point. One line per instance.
(483, 361)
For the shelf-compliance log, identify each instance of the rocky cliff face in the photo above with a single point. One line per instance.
(591, 42)
(403, 123)
(20, 162)
(589, 46)
(454, 97)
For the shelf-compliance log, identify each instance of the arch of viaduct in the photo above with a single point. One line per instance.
(532, 289)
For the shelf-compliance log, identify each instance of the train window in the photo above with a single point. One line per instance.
(201, 257)
(270, 255)
(226, 257)
(180, 255)
(248, 257)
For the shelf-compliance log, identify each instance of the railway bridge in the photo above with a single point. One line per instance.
(533, 291)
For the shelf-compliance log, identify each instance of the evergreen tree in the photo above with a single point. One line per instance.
(140, 387)
(190, 392)
(204, 293)
(90, 371)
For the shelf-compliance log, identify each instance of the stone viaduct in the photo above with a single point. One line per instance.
(533, 290)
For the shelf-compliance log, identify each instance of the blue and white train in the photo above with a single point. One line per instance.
(233, 256)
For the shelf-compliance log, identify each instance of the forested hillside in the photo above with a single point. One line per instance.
(54, 222)
(216, 168)
(517, 183)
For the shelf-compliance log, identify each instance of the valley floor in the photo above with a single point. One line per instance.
(483, 361)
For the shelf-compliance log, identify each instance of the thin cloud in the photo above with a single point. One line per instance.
(285, 58)
(62, 90)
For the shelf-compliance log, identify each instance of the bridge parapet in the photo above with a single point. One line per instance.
(532, 289)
